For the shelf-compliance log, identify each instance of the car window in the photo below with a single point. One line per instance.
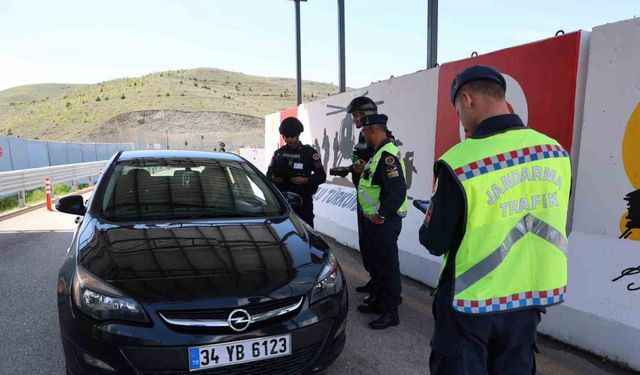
(166, 189)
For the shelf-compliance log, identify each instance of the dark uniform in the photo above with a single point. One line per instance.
(302, 161)
(382, 194)
(364, 152)
(364, 106)
(384, 237)
(461, 341)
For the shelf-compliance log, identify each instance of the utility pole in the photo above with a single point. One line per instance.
(432, 34)
(341, 43)
(298, 54)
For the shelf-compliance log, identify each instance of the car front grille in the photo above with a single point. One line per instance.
(216, 321)
(295, 364)
(223, 313)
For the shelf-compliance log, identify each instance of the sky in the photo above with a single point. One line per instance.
(80, 41)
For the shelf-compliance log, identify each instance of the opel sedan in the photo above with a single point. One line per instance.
(192, 262)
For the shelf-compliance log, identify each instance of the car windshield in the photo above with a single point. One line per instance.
(186, 188)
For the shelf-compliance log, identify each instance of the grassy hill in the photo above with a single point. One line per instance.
(77, 112)
(29, 93)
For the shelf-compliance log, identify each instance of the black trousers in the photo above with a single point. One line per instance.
(305, 211)
(496, 344)
(364, 242)
(384, 245)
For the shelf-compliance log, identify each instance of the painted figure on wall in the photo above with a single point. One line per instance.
(630, 221)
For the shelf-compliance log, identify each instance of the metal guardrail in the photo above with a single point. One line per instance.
(27, 179)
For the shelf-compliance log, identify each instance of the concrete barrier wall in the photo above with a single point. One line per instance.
(410, 102)
(423, 119)
(582, 89)
(256, 156)
(272, 137)
(599, 314)
(18, 153)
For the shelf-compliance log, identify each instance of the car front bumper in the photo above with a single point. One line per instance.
(317, 338)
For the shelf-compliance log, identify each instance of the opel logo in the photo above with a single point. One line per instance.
(239, 320)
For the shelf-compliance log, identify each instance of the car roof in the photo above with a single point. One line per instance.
(179, 154)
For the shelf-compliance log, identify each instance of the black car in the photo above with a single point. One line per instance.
(192, 262)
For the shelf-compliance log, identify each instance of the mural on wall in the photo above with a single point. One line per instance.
(343, 141)
(548, 111)
(409, 165)
(630, 221)
(606, 205)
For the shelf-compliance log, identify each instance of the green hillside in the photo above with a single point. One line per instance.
(74, 112)
(30, 93)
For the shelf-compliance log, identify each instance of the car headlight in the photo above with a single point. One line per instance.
(101, 301)
(329, 281)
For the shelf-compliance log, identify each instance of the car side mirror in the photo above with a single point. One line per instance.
(73, 204)
(295, 200)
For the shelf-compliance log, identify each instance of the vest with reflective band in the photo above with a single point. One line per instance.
(513, 253)
(368, 193)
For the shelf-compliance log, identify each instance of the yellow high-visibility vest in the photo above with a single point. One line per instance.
(513, 254)
(368, 193)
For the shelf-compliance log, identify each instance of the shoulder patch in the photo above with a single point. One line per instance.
(390, 160)
(393, 174)
(316, 156)
(391, 168)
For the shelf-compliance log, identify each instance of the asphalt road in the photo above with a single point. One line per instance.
(31, 250)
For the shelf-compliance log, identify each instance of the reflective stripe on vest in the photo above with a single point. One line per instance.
(513, 253)
(528, 224)
(369, 194)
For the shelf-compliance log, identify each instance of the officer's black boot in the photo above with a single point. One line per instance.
(369, 298)
(386, 320)
(366, 288)
(375, 307)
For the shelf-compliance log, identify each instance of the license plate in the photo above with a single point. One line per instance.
(237, 352)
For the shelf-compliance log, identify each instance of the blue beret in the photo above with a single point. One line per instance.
(475, 73)
(376, 119)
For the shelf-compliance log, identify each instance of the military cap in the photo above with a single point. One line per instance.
(475, 73)
(375, 119)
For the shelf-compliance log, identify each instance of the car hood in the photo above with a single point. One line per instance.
(197, 261)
